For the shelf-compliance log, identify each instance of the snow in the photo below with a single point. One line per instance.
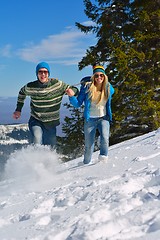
(42, 198)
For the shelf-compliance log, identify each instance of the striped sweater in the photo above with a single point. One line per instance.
(45, 100)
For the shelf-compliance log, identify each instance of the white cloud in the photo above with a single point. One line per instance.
(6, 51)
(66, 48)
(89, 23)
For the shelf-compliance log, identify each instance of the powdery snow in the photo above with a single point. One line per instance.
(44, 199)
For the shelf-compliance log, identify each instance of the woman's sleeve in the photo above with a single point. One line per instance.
(77, 101)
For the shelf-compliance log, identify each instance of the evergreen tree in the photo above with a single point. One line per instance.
(73, 142)
(127, 34)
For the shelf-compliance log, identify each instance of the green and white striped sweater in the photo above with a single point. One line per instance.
(45, 100)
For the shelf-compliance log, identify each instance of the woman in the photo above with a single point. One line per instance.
(96, 93)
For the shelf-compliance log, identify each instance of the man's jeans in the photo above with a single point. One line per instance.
(41, 134)
(103, 126)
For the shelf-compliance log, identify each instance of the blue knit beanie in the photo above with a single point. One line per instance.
(42, 65)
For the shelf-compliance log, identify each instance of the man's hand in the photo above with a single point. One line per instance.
(16, 114)
(69, 92)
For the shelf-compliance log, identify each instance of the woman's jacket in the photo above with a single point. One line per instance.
(83, 97)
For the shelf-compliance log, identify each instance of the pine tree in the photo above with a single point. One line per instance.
(127, 34)
(73, 142)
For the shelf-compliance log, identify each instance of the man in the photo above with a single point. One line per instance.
(46, 96)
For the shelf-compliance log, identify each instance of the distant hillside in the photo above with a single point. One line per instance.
(8, 105)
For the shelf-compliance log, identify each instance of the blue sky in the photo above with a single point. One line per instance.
(36, 30)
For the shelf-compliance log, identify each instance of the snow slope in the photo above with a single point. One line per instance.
(44, 199)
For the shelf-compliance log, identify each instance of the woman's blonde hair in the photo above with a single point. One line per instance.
(105, 90)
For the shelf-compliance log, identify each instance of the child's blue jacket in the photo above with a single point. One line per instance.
(77, 101)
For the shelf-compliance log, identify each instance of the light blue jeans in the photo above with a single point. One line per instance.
(42, 134)
(90, 127)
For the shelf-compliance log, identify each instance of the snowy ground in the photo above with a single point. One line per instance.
(43, 199)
